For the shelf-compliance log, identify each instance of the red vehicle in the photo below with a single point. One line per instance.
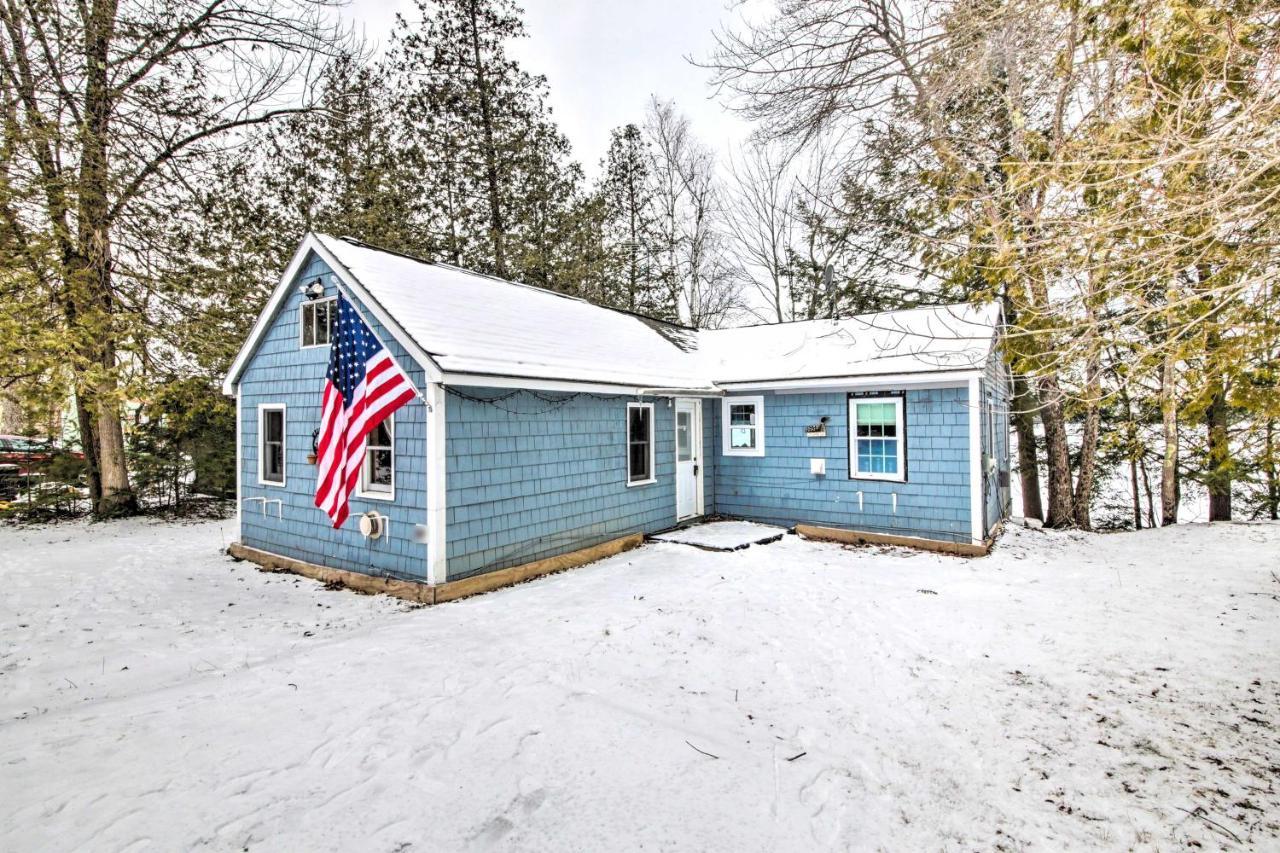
(30, 454)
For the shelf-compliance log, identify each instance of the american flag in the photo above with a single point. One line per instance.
(363, 386)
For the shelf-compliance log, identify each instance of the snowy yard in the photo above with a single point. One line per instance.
(1069, 691)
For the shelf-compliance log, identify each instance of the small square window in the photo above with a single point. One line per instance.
(743, 426)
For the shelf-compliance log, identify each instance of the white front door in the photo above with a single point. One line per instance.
(688, 459)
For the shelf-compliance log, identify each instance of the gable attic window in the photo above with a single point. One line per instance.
(742, 426)
(316, 317)
(877, 439)
(640, 444)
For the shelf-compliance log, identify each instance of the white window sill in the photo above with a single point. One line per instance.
(275, 484)
(756, 452)
(376, 496)
(648, 482)
(879, 478)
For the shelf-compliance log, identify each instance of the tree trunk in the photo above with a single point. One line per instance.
(1133, 449)
(89, 446)
(1058, 453)
(91, 276)
(1137, 496)
(1146, 488)
(1088, 450)
(1169, 419)
(1024, 424)
(1219, 479)
(497, 227)
(1269, 467)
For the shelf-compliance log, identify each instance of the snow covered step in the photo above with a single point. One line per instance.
(723, 535)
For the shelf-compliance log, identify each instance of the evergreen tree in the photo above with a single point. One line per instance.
(496, 167)
(635, 277)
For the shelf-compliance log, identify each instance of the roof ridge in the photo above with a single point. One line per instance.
(786, 323)
(499, 280)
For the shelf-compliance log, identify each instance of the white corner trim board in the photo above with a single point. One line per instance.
(239, 469)
(975, 461)
(437, 565)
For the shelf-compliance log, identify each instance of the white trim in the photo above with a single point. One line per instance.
(363, 297)
(695, 447)
(239, 469)
(437, 518)
(900, 408)
(975, 461)
(882, 382)
(312, 243)
(756, 400)
(302, 322)
(284, 443)
(486, 380)
(653, 434)
(361, 488)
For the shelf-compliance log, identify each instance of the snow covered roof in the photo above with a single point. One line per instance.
(473, 328)
(916, 340)
(478, 325)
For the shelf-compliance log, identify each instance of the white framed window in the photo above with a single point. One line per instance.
(640, 455)
(316, 318)
(378, 473)
(742, 426)
(271, 444)
(877, 438)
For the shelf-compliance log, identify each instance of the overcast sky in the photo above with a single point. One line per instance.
(603, 59)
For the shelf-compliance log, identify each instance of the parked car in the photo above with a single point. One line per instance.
(31, 455)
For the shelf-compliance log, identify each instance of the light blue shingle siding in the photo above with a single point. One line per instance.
(280, 371)
(530, 476)
(778, 488)
(710, 454)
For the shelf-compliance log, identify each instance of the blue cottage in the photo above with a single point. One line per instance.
(546, 425)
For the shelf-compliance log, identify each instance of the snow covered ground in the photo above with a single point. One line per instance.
(1070, 691)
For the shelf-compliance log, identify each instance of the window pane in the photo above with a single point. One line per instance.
(684, 448)
(274, 460)
(323, 320)
(638, 424)
(876, 413)
(742, 437)
(308, 324)
(743, 415)
(381, 435)
(639, 461)
(379, 474)
(274, 425)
